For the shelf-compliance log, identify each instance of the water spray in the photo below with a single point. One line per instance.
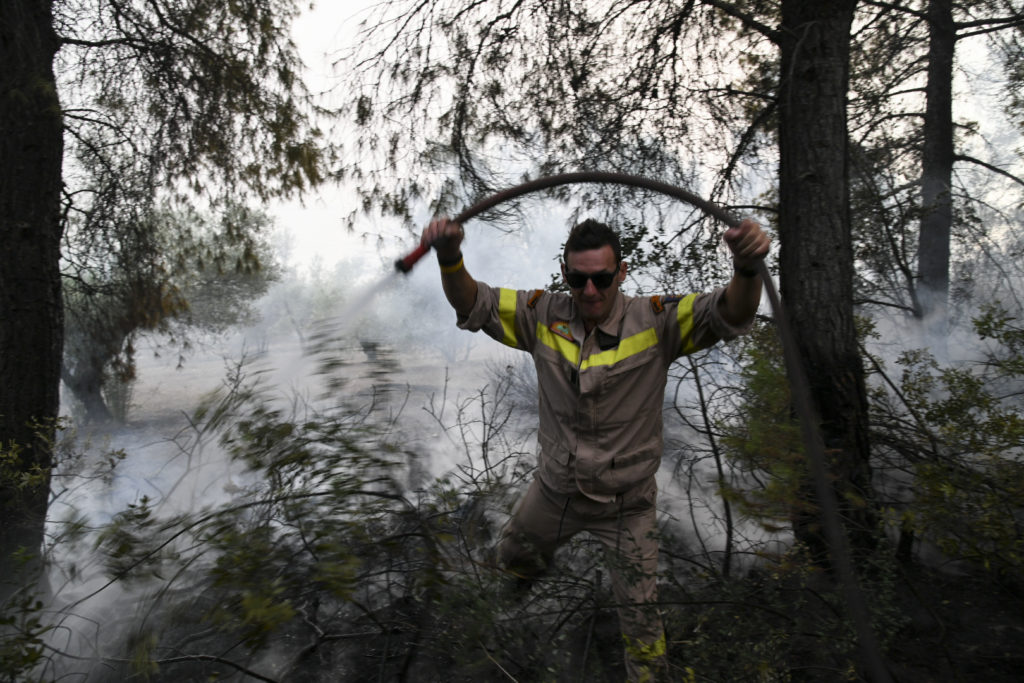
(814, 447)
(404, 265)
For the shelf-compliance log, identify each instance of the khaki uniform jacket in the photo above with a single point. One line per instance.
(601, 395)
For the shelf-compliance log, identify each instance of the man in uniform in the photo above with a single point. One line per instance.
(602, 360)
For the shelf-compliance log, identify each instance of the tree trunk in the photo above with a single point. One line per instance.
(937, 165)
(86, 384)
(31, 329)
(815, 246)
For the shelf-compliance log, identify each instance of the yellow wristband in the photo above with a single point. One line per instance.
(454, 268)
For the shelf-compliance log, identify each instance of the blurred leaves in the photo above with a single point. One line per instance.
(176, 273)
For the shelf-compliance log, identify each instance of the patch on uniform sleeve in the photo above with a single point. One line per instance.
(659, 301)
(534, 297)
(561, 328)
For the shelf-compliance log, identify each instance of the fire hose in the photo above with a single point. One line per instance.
(813, 443)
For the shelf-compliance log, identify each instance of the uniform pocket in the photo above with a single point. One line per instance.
(631, 374)
(630, 469)
(630, 363)
(557, 377)
(555, 460)
(622, 462)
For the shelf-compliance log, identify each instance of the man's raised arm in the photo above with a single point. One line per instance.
(749, 245)
(445, 237)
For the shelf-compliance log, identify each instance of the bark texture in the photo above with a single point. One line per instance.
(937, 164)
(816, 250)
(31, 327)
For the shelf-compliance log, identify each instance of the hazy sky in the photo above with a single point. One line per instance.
(316, 226)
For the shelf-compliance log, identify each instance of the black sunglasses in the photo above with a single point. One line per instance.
(602, 280)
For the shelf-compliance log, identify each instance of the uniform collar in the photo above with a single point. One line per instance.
(612, 324)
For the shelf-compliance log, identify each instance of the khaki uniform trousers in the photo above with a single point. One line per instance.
(545, 519)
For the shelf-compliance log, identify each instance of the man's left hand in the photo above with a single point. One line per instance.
(748, 243)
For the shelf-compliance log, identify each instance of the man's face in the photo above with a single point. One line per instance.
(595, 303)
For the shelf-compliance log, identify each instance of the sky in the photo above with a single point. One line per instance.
(315, 224)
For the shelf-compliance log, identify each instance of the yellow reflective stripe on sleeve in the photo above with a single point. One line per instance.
(630, 346)
(644, 652)
(684, 315)
(567, 349)
(507, 315)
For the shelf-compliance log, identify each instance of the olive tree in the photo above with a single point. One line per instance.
(203, 98)
(177, 274)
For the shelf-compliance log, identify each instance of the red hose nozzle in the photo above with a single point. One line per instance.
(404, 265)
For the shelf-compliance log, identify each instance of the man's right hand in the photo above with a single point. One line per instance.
(445, 236)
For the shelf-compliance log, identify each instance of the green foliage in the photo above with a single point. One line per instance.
(190, 91)
(132, 545)
(996, 324)
(177, 273)
(24, 621)
(18, 475)
(763, 439)
(23, 630)
(958, 428)
(324, 559)
(167, 106)
(319, 538)
(24, 491)
(963, 435)
(514, 89)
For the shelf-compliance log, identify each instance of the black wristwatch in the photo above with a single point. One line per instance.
(744, 271)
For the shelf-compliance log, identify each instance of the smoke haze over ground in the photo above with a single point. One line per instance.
(331, 332)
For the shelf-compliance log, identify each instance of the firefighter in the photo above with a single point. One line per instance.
(602, 359)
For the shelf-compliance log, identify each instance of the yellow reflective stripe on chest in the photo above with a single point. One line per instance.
(684, 315)
(567, 349)
(630, 346)
(507, 315)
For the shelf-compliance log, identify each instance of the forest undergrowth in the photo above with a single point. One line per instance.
(332, 552)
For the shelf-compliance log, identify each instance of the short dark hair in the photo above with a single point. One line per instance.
(591, 234)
